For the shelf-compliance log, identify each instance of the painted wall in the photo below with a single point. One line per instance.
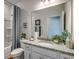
(43, 16)
(23, 20)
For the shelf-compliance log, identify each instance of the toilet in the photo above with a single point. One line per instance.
(18, 53)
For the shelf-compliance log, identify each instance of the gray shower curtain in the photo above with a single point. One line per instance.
(16, 28)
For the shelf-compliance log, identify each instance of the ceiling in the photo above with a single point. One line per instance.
(26, 4)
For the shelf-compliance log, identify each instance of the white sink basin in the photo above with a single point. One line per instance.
(45, 44)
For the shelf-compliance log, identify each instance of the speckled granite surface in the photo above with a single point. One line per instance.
(51, 45)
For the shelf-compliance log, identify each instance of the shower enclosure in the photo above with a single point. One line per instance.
(7, 29)
(12, 32)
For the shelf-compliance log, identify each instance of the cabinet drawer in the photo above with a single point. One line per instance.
(27, 47)
(45, 51)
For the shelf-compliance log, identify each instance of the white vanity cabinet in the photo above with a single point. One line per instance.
(36, 52)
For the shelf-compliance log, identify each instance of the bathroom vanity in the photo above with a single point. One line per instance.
(40, 50)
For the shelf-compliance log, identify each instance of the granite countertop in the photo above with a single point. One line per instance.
(57, 47)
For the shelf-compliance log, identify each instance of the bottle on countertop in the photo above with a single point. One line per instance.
(69, 43)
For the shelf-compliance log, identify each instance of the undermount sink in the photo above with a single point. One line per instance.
(45, 43)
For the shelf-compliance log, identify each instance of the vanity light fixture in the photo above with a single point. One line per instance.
(52, 1)
(45, 2)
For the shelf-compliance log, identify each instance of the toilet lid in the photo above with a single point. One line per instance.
(17, 52)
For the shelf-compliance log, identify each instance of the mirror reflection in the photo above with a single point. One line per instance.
(51, 21)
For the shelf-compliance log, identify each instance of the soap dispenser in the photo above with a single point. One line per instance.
(69, 43)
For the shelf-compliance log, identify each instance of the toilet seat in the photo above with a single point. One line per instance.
(17, 52)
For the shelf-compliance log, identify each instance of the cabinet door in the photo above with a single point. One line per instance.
(47, 57)
(27, 55)
(36, 56)
(65, 56)
(27, 52)
(72, 57)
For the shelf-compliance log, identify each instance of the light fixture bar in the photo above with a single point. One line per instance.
(45, 2)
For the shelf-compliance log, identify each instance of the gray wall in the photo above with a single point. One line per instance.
(26, 18)
(23, 20)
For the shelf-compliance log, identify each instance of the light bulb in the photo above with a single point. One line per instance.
(41, 4)
(51, 1)
(46, 2)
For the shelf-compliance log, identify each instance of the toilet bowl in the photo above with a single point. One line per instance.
(18, 53)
